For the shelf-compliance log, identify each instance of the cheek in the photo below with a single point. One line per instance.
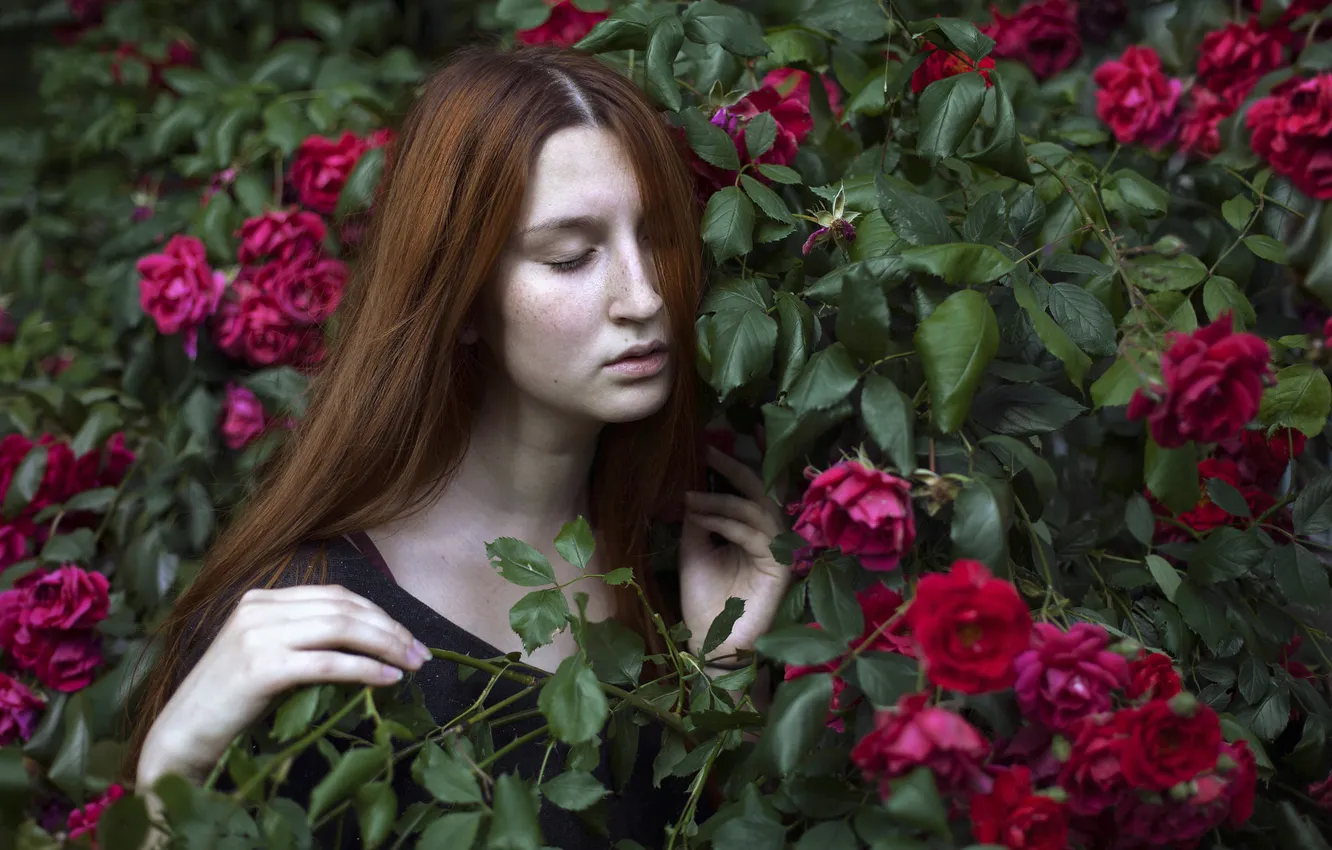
(546, 330)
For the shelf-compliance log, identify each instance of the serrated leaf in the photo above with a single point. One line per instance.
(1139, 193)
(1237, 211)
(955, 344)
(826, 380)
(796, 331)
(833, 600)
(720, 628)
(448, 779)
(796, 720)
(575, 543)
(1221, 295)
(355, 768)
(885, 677)
(760, 133)
(615, 651)
(1166, 577)
(1116, 385)
(1084, 318)
(1224, 495)
(453, 830)
(728, 223)
(863, 321)
(663, 45)
(519, 562)
(890, 419)
(948, 110)
(1227, 553)
(1060, 344)
(742, 345)
(960, 264)
(573, 702)
(1301, 399)
(574, 790)
(710, 142)
(710, 22)
(800, 645)
(977, 531)
(538, 616)
(768, 201)
(1302, 578)
(1172, 475)
(1024, 409)
(916, 218)
(1157, 273)
(1267, 248)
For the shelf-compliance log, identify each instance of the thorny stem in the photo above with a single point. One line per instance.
(295, 748)
(511, 746)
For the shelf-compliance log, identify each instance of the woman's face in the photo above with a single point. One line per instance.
(574, 318)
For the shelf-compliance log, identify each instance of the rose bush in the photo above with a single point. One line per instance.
(1023, 311)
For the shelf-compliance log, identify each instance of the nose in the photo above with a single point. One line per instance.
(633, 289)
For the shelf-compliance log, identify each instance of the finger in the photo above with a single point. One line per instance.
(318, 667)
(744, 478)
(754, 542)
(336, 631)
(319, 609)
(735, 507)
(306, 593)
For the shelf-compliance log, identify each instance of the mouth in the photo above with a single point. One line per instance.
(641, 361)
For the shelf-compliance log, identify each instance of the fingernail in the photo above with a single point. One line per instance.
(393, 674)
(420, 651)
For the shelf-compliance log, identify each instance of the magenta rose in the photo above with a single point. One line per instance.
(1231, 59)
(118, 460)
(1066, 676)
(243, 418)
(19, 710)
(1044, 36)
(1136, 99)
(281, 234)
(793, 125)
(60, 481)
(255, 328)
(308, 289)
(178, 290)
(84, 821)
(861, 510)
(67, 662)
(1093, 774)
(321, 167)
(915, 734)
(1213, 383)
(793, 84)
(565, 27)
(1199, 132)
(14, 537)
(67, 599)
(1291, 128)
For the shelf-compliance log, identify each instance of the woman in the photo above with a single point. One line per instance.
(516, 350)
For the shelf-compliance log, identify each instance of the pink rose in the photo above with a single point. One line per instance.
(68, 662)
(84, 821)
(915, 734)
(14, 537)
(66, 599)
(1135, 99)
(1043, 35)
(1093, 775)
(1066, 676)
(863, 511)
(565, 27)
(243, 418)
(179, 290)
(282, 234)
(1214, 382)
(308, 289)
(19, 710)
(321, 168)
(793, 125)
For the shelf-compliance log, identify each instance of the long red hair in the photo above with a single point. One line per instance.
(389, 415)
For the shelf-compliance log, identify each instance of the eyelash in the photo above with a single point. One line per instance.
(572, 265)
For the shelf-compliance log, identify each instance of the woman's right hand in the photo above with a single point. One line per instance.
(273, 641)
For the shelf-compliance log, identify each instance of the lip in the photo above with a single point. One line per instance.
(641, 361)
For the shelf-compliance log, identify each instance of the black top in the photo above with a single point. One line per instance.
(641, 812)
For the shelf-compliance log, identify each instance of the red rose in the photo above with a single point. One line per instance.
(321, 168)
(1214, 381)
(1291, 128)
(1152, 676)
(879, 605)
(793, 125)
(1231, 59)
(67, 662)
(1067, 675)
(178, 290)
(940, 63)
(795, 671)
(66, 599)
(308, 289)
(1013, 815)
(1241, 782)
(60, 481)
(861, 510)
(19, 711)
(793, 84)
(282, 234)
(14, 537)
(915, 734)
(242, 418)
(565, 27)
(1043, 35)
(1135, 99)
(1093, 775)
(1206, 514)
(84, 821)
(1167, 744)
(256, 329)
(1199, 133)
(1261, 460)
(970, 627)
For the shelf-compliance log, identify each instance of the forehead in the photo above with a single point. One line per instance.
(580, 171)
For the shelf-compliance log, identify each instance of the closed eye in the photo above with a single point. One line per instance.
(574, 264)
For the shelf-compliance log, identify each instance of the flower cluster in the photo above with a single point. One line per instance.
(1044, 36)
(63, 477)
(84, 821)
(48, 625)
(1111, 746)
(863, 511)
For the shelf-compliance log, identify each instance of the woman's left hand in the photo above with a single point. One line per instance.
(743, 567)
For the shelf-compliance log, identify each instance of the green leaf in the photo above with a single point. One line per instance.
(453, 831)
(863, 322)
(1018, 455)
(355, 768)
(252, 193)
(1056, 340)
(575, 543)
(829, 835)
(663, 45)
(796, 721)
(960, 264)
(985, 220)
(358, 192)
(26, 481)
(721, 626)
(227, 132)
(623, 575)
(796, 330)
(538, 616)
(801, 645)
(69, 767)
(1084, 318)
(833, 599)
(1226, 553)
(885, 677)
(1020, 410)
(955, 344)
(177, 126)
(861, 20)
(1272, 715)
(445, 777)
(574, 790)
(1138, 192)
(775, 173)
(615, 651)
(291, 65)
(1166, 577)
(1139, 519)
(285, 126)
(1171, 274)
(760, 133)
(296, 713)
(1302, 578)
(513, 823)
(1116, 385)
(1226, 497)
(76, 547)
(1254, 680)
(573, 703)
(520, 563)
(916, 218)
(1007, 155)
(890, 420)
(1172, 475)
(97, 500)
(1221, 295)
(1025, 215)
(826, 380)
(710, 22)
(915, 802)
(728, 224)
(1237, 211)
(627, 29)
(124, 824)
(1300, 399)
(948, 110)
(376, 809)
(1203, 611)
(1313, 507)
(1267, 248)
(977, 531)
(956, 32)
(790, 435)
(768, 201)
(742, 345)
(1294, 830)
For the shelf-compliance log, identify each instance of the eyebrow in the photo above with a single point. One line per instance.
(576, 222)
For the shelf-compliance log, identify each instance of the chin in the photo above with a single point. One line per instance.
(630, 404)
